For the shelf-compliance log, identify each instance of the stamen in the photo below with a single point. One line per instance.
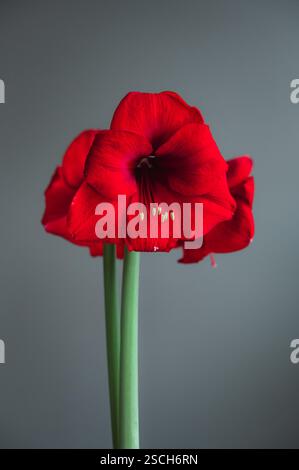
(154, 211)
(145, 161)
(172, 215)
(159, 210)
(141, 215)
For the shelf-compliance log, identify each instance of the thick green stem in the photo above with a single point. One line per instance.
(112, 314)
(129, 419)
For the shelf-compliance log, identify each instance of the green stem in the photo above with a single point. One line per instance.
(112, 336)
(129, 419)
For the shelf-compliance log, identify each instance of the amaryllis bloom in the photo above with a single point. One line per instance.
(63, 186)
(157, 159)
(158, 150)
(238, 232)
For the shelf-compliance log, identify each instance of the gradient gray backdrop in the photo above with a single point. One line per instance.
(214, 344)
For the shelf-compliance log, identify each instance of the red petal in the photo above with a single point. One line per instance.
(194, 256)
(245, 191)
(82, 218)
(151, 245)
(110, 167)
(154, 115)
(194, 166)
(58, 196)
(96, 249)
(238, 170)
(58, 227)
(235, 234)
(227, 237)
(75, 157)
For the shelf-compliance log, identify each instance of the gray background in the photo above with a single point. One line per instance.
(214, 344)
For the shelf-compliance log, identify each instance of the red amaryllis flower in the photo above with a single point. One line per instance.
(158, 153)
(237, 233)
(63, 186)
(157, 150)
